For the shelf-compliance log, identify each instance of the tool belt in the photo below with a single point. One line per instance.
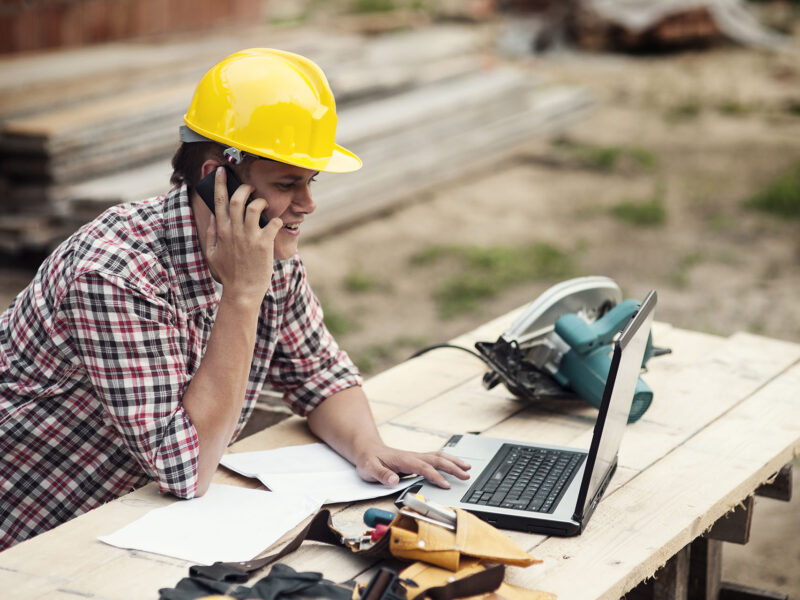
(451, 564)
(412, 539)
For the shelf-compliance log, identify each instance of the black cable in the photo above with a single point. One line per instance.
(437, 346)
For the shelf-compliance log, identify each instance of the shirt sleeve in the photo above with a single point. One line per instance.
(308, 365)
(130, 345)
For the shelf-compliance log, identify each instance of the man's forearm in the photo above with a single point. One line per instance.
(344, 421)
(216, 393)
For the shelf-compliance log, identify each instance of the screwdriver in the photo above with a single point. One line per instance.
(375, 516)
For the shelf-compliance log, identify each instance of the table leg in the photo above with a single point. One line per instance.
(670, 582)
(735, 526)
(705, 565)
(694, 573)
(780, 488)
(705, 569)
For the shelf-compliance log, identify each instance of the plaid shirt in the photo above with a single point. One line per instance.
(96, 353)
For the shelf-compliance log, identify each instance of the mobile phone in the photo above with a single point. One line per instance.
(205, 189)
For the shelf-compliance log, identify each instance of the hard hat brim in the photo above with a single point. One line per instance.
(341, 160)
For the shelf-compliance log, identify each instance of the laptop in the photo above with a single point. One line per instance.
(552, 490)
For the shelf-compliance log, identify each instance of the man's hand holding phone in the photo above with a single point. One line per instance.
(240, 252)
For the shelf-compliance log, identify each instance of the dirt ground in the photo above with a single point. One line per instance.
(696, 134)
(650, 190)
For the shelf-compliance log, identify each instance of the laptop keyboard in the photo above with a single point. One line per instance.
(525, 478)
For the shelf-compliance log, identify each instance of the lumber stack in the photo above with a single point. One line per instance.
(419, 107)
(77, 137)
(409, 142)
(648, 25)
(82, 137)
(434, 135)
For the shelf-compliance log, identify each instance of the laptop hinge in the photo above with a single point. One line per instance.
(582, 516)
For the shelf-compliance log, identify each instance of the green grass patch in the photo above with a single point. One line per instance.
(781, 197)
(651, 212)
(376, 356)
(430, 255)
(358, 282)
(793, 107)
(485, 272)
(288, 21)
(607, 158)
(685, 264)
(601, 158)
(720, 222)
(686, 109)
(733, 108)
(757, 326)
(337, 322)
(368, 359)
(373, 6)
(643, 157)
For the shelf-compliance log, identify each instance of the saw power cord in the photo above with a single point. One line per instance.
(454, 346)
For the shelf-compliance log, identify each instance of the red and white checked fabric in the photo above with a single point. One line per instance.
(96, 353)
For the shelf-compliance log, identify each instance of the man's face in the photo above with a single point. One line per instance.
(286, 189)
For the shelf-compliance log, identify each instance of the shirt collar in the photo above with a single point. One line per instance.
(183, 245)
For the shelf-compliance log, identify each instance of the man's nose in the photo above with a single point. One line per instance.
(303, 200)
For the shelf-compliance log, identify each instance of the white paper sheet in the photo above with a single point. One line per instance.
(310, 470)
(228, 523)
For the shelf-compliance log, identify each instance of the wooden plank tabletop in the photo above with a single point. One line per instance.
(725, 418)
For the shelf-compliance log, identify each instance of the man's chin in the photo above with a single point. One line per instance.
(283, 252)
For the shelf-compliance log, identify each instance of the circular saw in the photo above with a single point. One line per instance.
(560, 345)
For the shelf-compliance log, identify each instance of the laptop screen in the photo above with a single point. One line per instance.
(628, 353)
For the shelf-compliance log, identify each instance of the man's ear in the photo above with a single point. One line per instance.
(208, 167)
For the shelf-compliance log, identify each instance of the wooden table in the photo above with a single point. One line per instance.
(725, 420)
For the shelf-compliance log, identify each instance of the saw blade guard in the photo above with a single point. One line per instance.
(591, 297)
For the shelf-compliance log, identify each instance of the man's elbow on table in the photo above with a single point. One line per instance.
(181, 474)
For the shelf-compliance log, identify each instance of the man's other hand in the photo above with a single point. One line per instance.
(385, 464)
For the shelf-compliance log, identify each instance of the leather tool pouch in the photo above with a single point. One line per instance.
(407, 538)
(413, 539)
(472, 579)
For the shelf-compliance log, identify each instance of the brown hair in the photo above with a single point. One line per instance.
(189, 158)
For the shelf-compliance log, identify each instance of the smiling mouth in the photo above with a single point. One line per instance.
(292, 226)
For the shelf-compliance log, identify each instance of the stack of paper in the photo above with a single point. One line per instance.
(231, 524)
(312, 470)
(228, 523)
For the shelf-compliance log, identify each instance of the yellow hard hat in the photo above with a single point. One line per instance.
(273, 104)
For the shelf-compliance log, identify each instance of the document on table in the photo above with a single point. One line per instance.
(310, 470)
(226, 524)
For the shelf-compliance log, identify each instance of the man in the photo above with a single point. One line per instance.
(140, 347)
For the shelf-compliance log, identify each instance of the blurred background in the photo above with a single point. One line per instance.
(508, 145)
